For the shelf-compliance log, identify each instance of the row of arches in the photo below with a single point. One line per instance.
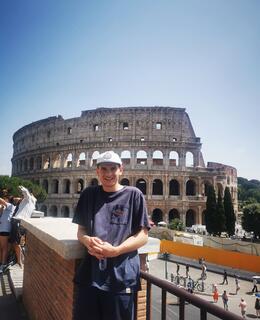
(55, 186)
(70, 160)
(189, 217)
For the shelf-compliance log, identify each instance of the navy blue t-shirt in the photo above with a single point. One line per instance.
(113, 217)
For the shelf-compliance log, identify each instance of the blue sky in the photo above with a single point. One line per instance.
(63, 57)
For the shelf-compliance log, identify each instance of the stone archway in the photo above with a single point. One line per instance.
(190, 218)
(157, 215)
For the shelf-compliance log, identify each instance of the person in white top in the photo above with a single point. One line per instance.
(243, 306)
(24, 211)
(7, 210)
(27, 204)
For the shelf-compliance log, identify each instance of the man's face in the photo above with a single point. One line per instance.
(109, 174)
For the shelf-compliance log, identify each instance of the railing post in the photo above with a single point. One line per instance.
(181, 309)
(148, 300)
(163, 305)
(203, 314)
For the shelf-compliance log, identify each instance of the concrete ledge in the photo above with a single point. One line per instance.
(60, 234)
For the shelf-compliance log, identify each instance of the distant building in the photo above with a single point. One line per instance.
(160, 151)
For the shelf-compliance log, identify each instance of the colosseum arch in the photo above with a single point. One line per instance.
(157, 215)
(53, 211)
(173, 159)
(93, 161)
(25, 165)
(157, 187)
(141, 185)
(46, 162)
(54, 187)
(45, 185)
(20, 165)
(66, 186)
(126, 157)
(38, 163)
(68, 161)
(57, 161)
(31, 163)
(157, 158)
(81, 160)
(190, 218)
(141, 157)
(206, 185)
(65, 211)
(79, 185)
(173, 214)
(125, 182)
(189, 159)
(190, 188)
(174, 188)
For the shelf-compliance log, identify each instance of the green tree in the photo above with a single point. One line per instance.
(211, 211)
(11, 184)
(229, 213)
(221, 219)
(251, 218)
(176, 224)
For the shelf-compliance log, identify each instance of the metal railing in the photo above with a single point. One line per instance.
(183, 296)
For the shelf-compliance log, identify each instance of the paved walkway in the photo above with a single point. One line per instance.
(11, 307)
(214, 276)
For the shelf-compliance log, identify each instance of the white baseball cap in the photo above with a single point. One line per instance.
(109, 157)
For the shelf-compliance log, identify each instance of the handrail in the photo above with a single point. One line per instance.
(183, 295)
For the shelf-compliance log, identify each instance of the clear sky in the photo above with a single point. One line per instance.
(66, 56)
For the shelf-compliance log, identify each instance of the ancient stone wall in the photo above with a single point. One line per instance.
(160, 151)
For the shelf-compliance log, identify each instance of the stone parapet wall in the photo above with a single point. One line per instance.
(47, 288)
(52, 255)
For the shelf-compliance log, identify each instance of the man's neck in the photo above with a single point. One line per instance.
(115, 188)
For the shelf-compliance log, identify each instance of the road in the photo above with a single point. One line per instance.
(157, 268)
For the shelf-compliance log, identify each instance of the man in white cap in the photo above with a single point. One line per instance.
(112, 224)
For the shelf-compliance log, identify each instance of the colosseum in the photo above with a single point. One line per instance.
(158, 146)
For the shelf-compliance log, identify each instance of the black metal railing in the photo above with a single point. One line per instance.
(183, 296)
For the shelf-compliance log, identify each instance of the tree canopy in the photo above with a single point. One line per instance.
(251, 218)
(11, 184)
(248, 191)
(230, 216)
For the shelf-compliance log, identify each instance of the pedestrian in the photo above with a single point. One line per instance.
(190, 285)
(225, 299)
(237, 284)
(257, 307)
(242, 306)
(112, 224)
(177, 268)
(225, 280)
(24, 209)
(187, 270)
(203, 271)
(215, 293)
(7, 210)
(254, 285)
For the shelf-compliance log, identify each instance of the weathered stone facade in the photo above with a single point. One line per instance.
(161, 154)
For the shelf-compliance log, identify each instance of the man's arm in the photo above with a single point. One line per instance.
(89, 242)
(96, 247)
(130, 244)
(3, 202)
